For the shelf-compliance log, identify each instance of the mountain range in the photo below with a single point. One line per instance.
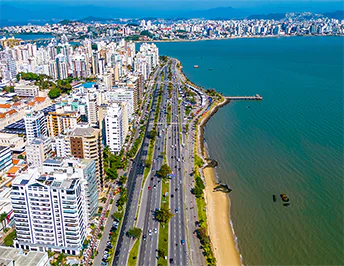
(13, 15)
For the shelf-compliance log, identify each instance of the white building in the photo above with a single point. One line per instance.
(24, 90)
(62, 146)
(35, 125)
(38, 150)
(17, 257)
(92, 109)
(85, 169)
(49, 211)
(123, 94)
(12, 140)
(114, 127)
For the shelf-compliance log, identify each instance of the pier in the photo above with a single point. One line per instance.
(257, 97)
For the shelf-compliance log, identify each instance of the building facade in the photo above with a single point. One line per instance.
(49, 213)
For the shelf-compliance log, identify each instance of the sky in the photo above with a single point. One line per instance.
(182, 4)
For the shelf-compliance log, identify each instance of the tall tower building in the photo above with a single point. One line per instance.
(49, 211)
(35, 125)
(62, 66)
(38, 151)
(86, 143)
(114, 127)
(92, 109)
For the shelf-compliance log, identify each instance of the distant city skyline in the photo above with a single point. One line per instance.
(261, 5)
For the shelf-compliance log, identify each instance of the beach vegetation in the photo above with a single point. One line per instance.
(198, 161)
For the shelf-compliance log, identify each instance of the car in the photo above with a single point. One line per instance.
(144, 237)
(149, 188)
(151, 178)
(150, 232)
(154, 186)
(109, 246)
(105, 252)
(182, 241)
(176, 189)
(155, 230)
(172, 196)
(176, 210)
(171, 261)
(104, 263)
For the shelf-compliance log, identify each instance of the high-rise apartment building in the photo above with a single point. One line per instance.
(114, 124)
(60, 121)
(86, 143)
(35, 125)
(38, 150)
(49, 211)
(86, 170)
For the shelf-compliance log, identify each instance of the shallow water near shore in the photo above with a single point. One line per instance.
(291, 142)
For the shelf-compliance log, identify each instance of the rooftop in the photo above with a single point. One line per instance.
(32, 258)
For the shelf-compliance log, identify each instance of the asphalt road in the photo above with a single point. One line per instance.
(152, 191)
(178, 253)
(134, 185)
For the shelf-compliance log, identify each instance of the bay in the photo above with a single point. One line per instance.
(291, 142)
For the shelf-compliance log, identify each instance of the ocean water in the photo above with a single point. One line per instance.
(291, 142)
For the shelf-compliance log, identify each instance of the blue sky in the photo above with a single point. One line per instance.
(184, 4)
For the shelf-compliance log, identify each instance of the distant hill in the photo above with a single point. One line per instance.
(275, 16)
(216, 13)
(90, 19)
(336, 15)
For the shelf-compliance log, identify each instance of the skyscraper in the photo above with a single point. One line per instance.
(115, 132)
(35, 125)
(49, 211)
(86, 143)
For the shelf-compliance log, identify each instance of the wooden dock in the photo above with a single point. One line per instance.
(257, 97)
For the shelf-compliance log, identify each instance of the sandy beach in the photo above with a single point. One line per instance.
(218, 211)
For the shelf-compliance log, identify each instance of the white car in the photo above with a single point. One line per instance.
(150, 232)
(155, 230)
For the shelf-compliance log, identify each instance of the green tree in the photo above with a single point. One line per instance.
(54, 93)
(117, 216)
(134, 232)
(103, 199)
(163, 215)
(164, 171)
(123, 179)
(152, 134)
(3, 217)
(161, 253)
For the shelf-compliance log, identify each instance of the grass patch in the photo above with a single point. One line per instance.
(8, 241)
(163, 229)
(133, 255)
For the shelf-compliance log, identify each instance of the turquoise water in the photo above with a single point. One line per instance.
(291, 142)
(27, 37)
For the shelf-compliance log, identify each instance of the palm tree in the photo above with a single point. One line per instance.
(3, 217)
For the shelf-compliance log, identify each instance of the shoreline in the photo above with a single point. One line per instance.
(218, 205)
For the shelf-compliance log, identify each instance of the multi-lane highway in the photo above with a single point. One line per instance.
(134, 185)
(177, 235)
(184, 246)
(152, 190)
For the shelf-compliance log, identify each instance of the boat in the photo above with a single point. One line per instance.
(286, 204)
(274, 198)
(195, 66)
(284, 197)
(210, 69)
